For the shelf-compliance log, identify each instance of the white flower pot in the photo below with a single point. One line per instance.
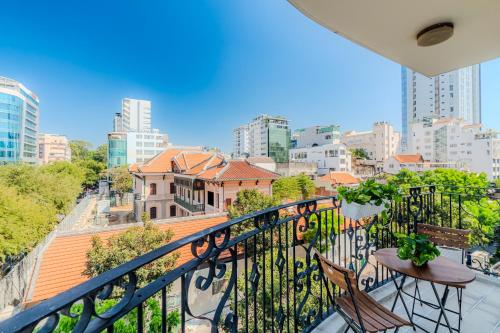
(356, 211)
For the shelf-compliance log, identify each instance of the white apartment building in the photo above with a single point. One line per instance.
(135, 115)
(125, 148)
(486, 157)
(380, 143)
(315, 136)
(53, 147)
(455, 141)
(241, 141)
(267, 136)
(19, 122)
(450, 95)
(329, 157)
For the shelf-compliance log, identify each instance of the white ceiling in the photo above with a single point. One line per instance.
(390, 27)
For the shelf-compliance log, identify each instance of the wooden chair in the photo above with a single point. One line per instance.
(450, 238)
(361, 312)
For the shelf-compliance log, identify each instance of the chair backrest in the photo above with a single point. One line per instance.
(338, 275)
(457, 238)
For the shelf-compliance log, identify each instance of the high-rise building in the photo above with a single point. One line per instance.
(135, 115)
(457, 143)
(53, 147)
(380, 143)
(241, 143)
(118, 123)
(451, 95)
(125, 148)
(268, 136)
(19, 119)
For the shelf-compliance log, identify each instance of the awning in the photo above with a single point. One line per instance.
(390, 28)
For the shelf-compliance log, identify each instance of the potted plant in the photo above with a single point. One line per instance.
(368, 199)
(417, 248)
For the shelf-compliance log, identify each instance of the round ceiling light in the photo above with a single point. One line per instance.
(435, 34)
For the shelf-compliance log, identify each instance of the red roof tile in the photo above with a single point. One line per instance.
(64, 260)
(414, 158)
(339, 178)
(237, 170)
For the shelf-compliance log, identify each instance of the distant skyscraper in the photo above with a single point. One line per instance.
(451, 95)
(19, 119)
(267, 136)
(118, 123)
(136, 115)
(241, 144)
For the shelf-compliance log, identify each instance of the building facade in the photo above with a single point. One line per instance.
(53, 147)
(192, 182)
(451, 95)
(380, 143)
(125, 148)
(19, 122)
(267, 136)
(135, 115)
(315, 136)
(241, 142)
(329, 157)
(456, 142)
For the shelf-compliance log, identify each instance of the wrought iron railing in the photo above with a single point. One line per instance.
(256, 271)
(194, 208)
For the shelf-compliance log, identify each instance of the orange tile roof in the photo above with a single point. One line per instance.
(339, 178)
(237, 170)
(159, 163)
(64, 260)
(413, 158)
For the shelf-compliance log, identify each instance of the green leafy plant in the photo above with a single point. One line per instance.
(417, 248)
(370, 192)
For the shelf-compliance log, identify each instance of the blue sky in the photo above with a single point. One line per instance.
(207, 66)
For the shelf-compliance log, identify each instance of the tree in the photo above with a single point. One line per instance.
(80, 150)
(121, 180)
(92, 171)
(306, 186)
(100, 154)
(293, 188)
(249, 201)
(359, 153)
(122, 248)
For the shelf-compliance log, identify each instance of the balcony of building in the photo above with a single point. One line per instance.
(263, 266)
(191, 207)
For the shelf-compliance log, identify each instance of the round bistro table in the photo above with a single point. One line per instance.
(440, 270)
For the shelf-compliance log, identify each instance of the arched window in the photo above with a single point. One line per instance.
(152, 188)
(152, 213)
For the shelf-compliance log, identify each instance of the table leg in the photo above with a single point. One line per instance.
(442, 304)
(399, 295)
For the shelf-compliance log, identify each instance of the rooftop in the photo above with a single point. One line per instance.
(64, 260)
(340, 178)
(409, 158)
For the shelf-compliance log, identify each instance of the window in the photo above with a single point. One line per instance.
(152, 213)
(228, 203)
(173, 210)
(217, 201)
(210, 198)
(152, 188)
(172, 188)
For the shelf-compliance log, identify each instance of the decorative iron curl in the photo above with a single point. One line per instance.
(217, 269)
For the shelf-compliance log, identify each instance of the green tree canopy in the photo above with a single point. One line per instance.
(360, 153)
(249, 201)
(293, 188)
(80, 150)
(121, 248)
